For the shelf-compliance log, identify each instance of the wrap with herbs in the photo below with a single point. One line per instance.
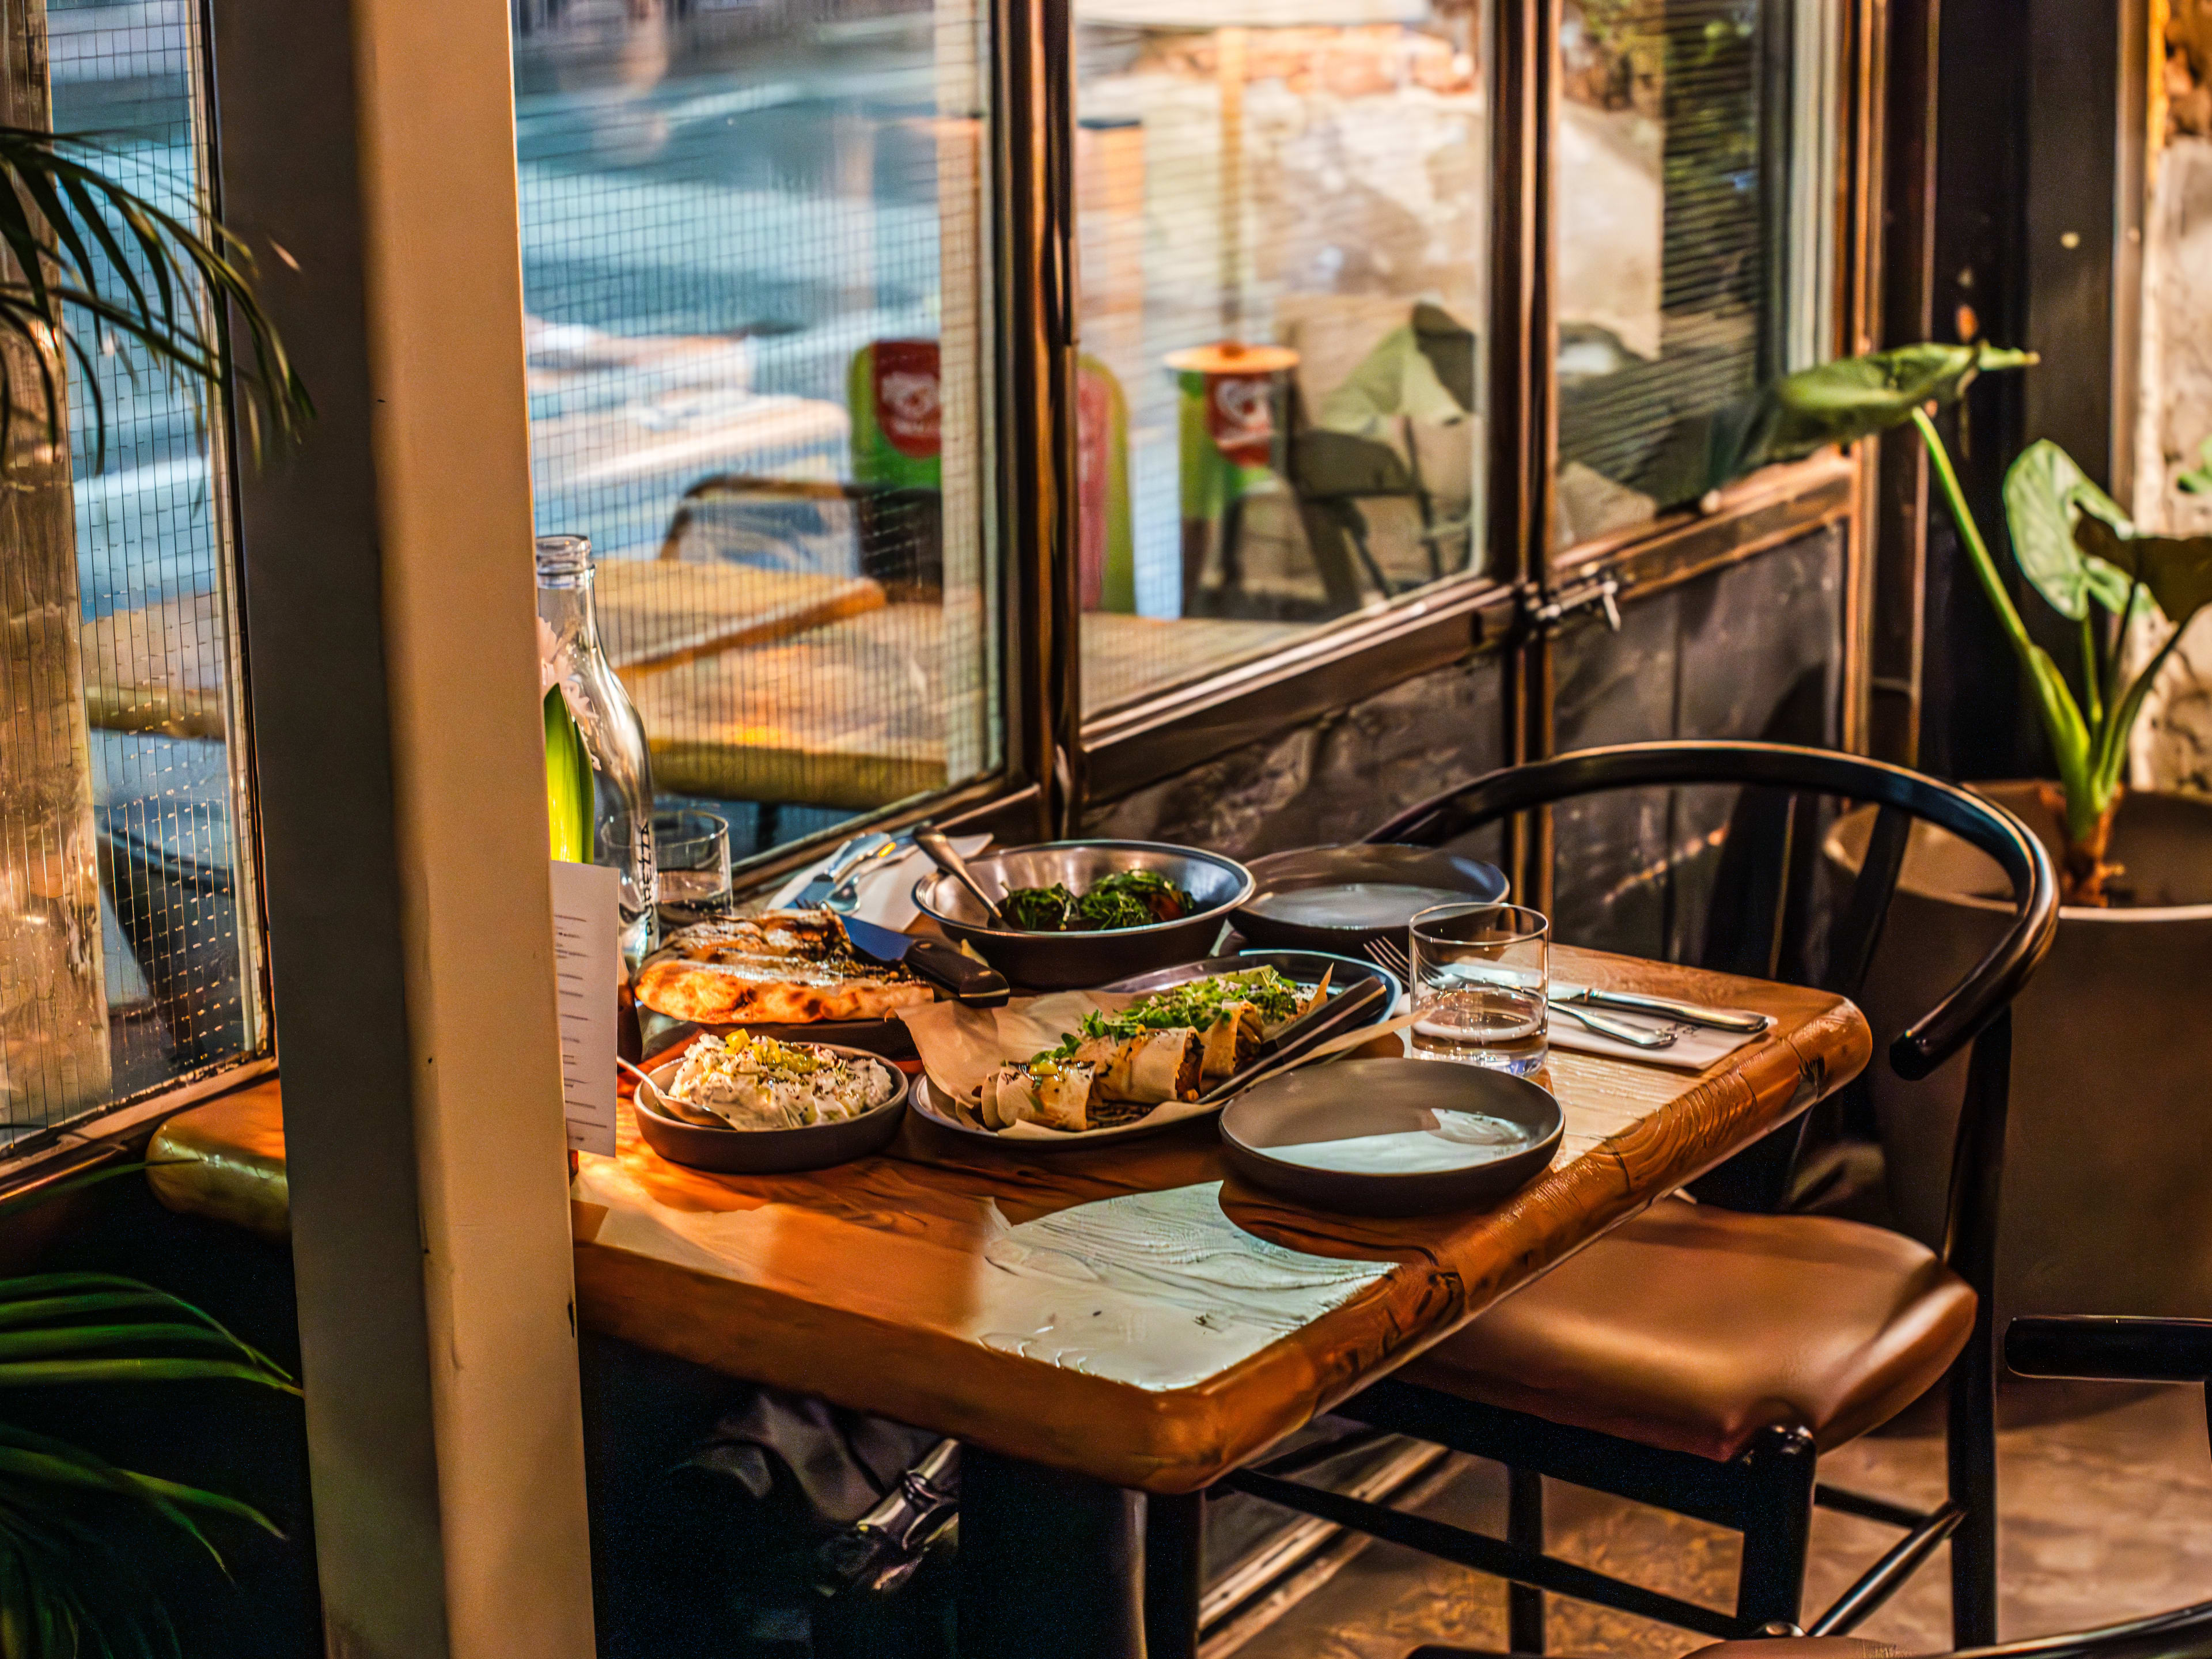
(1164, 1048)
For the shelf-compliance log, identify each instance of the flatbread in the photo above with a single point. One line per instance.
(782, 967)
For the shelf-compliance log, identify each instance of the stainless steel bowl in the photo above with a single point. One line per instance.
(1068, 962)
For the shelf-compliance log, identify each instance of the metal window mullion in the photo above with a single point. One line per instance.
(1524, 426)
(1033, 148)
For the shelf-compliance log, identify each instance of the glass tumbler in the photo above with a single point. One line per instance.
(1481, 973)
(691, 860)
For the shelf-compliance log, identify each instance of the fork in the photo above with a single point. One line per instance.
(1385, 954)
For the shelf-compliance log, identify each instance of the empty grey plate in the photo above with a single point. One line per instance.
(1392, 1136)
(770, 1151)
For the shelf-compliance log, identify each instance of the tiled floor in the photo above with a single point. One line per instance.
(2105, 1496)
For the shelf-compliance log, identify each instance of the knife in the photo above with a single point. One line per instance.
(975, 985)
(1718, 1019)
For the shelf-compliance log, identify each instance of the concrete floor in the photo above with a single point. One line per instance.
(2105, 1495)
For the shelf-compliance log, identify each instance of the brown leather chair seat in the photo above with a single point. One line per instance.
(1694, 1328)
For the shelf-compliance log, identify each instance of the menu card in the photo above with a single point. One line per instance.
(587, 962)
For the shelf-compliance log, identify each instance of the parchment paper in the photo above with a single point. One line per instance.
(962, 1048)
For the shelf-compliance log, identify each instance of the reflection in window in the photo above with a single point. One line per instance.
(130, 951)
(756, 286)
(1693, 232)
(1281, 208)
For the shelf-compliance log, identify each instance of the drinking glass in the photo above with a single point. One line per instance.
(693, 850)
(1481, 973)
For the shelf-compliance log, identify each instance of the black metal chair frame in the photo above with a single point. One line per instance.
(1769, 1491)
(2137, 1350)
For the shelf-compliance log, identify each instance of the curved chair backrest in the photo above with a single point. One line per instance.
(1977, 1011)
(1901, 797)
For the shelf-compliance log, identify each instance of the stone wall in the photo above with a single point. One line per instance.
(2174, 744)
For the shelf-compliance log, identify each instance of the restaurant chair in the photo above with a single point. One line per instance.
(2133, 1350)
(1699, 1357)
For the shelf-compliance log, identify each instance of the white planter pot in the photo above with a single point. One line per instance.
(2107, 1191)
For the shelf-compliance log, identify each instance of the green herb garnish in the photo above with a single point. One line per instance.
(1127, 899)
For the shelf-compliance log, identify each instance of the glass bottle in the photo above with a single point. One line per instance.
(570, 658)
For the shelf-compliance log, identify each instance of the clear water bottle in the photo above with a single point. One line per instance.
(617, 829)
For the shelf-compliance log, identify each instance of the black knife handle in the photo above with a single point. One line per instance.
(974, 984)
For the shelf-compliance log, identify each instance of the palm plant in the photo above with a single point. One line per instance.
(93, 266)
(2072, 542)
(87, 251)
(68, 1589)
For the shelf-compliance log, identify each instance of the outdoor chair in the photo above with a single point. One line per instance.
(2134, 1350)
(1699, 1357)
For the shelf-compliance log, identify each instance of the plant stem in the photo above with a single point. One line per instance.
(1977, 550)
(2092, 697)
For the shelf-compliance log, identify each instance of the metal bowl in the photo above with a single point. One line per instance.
(770, 1151)
(1068, 962)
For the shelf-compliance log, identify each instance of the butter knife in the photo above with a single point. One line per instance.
(1690, 1013)
(841, 861)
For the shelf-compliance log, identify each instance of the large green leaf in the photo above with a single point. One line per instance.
(2176, 570)
(1855, 398)
(2044, 494)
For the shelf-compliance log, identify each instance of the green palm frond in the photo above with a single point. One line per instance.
(157, 281)
(73, 1583)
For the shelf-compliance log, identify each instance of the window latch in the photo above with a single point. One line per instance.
(1544, 610)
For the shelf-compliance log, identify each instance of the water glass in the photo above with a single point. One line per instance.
(1481, 973)
(692, 851)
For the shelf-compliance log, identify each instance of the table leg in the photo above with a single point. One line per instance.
(1050, 1563)
(1174, 1573)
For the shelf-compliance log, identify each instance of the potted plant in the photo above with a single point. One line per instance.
(92, 265)
(2108, 1173)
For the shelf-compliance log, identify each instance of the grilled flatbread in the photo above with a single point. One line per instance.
(782, 967)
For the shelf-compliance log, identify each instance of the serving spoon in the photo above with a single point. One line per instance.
(933, 842)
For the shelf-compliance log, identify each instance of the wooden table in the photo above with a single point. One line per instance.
(160, 667)
(1093, 1324)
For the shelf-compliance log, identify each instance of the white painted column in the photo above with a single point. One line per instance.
(391, 630)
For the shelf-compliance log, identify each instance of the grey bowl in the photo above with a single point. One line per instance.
(770, 1151)
(1339, 898)
(1271, 1135)
(1068, 962)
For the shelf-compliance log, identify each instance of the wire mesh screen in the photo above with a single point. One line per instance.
(1282, 213)
(755, 273)
(150, 789)
(1678, 210)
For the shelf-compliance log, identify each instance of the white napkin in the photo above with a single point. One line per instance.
(885, 890)
(1695, 1047)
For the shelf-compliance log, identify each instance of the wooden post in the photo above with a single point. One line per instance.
(367, 151)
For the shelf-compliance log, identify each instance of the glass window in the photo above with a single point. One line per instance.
(129, 949)
(1282, 220)
(757, 286)
(1695, 206)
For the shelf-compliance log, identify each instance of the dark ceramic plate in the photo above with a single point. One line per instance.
(887, 1037)
(1306, 967)
(1392, 1136)
(770, 1151)
(1338, 898)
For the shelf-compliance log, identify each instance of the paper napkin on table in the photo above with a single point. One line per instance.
(1695, 1047)
(885, 890)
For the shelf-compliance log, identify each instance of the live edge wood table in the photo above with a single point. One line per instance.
(1099, 1325)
